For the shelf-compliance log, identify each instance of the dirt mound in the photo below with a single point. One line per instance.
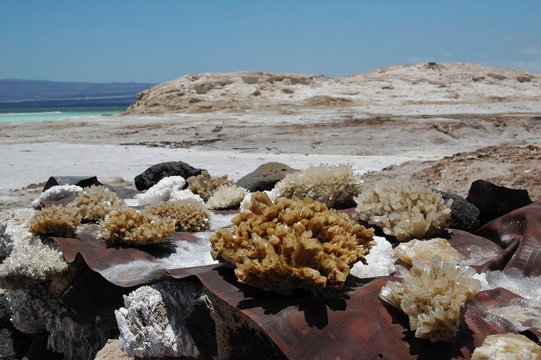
(428, 83)
(510, 166)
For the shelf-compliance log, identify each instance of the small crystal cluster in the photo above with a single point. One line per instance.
(404, 210)
(55, 220)
(129, 226)
(205, 185)
(434, 297)
(506, 347)
(189, 216)
(291, 244)
(334, 186)
(227, 197)
(95, 202)
(424, 250)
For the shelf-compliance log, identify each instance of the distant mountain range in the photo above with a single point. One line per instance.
(41, 93)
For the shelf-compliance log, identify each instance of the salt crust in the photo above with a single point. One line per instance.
(334, 186)
(227, 197)
(404, 210)
(434, 296)
(205, 185)
(151, 323)
(188, 216)
(95, 202)
(424, 250)
(55, 220)
(528, 287)
(187, 254)
(56, 192)
(129, 226)
(291, 244)
(379, 261)
(162, 190)
(507, 347)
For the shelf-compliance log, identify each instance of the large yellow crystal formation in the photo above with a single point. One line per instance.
(292, 244)
(434, 296)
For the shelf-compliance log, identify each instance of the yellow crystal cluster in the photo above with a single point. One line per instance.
(95, 202)
(129, 226)
(291, 244)
(188, 216)
(205, 185)
(55, 220)
(434, 297)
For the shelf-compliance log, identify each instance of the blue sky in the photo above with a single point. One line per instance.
(158, 40)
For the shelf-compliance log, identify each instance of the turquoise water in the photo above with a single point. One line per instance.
(44, 114)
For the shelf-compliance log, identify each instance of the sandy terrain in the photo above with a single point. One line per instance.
(392, 130)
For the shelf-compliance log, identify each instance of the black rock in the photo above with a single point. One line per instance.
(464, 215)
(494, 201)
(155, 173)
(265, 176)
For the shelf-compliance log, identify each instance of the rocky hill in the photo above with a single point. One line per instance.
(428, 83)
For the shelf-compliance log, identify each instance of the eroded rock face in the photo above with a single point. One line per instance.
(265, 176)
(292, 244)
(245, 90)
(155, 173)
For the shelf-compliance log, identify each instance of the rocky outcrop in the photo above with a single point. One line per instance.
(393, 85)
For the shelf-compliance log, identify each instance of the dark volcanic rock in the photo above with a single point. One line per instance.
(265, 176)
(464, 215)
(155, 173)
(494, 201)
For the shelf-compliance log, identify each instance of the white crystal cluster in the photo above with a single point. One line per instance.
(152, 321)
(405, 210)
(334, 186)
(227, 196)
(434, 297)
(162, 190)
(507, 347)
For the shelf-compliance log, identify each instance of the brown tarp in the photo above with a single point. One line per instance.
(357, 324)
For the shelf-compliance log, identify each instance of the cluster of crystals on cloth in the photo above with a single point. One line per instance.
(507, 346)
(129, 226)
(334, 186)
(405, 210)
(291, 244)
(205, 185)
(434, 296)
(95, 202)
(424, 250)
(227, 197)
(55, 220)
(188, 216)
